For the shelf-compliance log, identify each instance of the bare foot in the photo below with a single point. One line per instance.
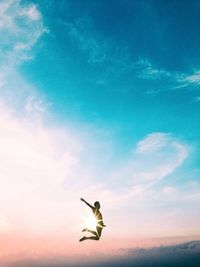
(82, 239)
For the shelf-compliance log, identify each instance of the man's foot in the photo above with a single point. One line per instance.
(82, 239)
(84, 230)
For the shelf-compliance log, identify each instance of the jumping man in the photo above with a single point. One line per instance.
(99, 222)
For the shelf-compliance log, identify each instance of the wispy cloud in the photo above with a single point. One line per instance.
(194, 78)
(153, 159)
(147, 71)
(152, 143)
(190, 79)
(82, 36)
(20, 28)
(161, 153)
(170, 79)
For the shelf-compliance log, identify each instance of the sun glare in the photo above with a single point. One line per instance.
(90, 222)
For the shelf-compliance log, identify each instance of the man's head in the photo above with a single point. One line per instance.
(97, 205)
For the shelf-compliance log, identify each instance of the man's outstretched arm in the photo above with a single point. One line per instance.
(87, 203)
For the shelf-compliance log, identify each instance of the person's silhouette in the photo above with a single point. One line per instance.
(99, 222)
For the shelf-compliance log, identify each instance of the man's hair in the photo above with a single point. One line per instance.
(97, 205)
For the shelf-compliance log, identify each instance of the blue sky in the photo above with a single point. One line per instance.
(99, 98)
(128, 66)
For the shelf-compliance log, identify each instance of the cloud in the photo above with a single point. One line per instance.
(20, 28)
(147, 71)
(31, 12)
(153, 160)
(21, 97)
(35, 162)
(152, 143)
(184, 255)
(82, 36)
(194, 78)
(155, 157)
(186, 80)
(171, 80)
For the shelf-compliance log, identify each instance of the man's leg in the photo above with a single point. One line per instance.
(90, 231)
(89, 237)
(95, 237)
(96, 234)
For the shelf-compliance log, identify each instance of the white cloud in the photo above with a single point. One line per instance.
(154, 158)
(148, 72)
(34, 105)
(20, 96)
(35, 163)
(193, 78)
(21, 26)
(159, 155)
(152, 143)
(173, 80)
(31, 12)
(185, 80)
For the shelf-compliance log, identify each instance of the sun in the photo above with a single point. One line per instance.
(90, 222)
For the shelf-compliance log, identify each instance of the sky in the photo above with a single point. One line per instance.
(100, 100)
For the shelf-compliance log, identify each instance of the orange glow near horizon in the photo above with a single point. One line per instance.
(16, 246)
